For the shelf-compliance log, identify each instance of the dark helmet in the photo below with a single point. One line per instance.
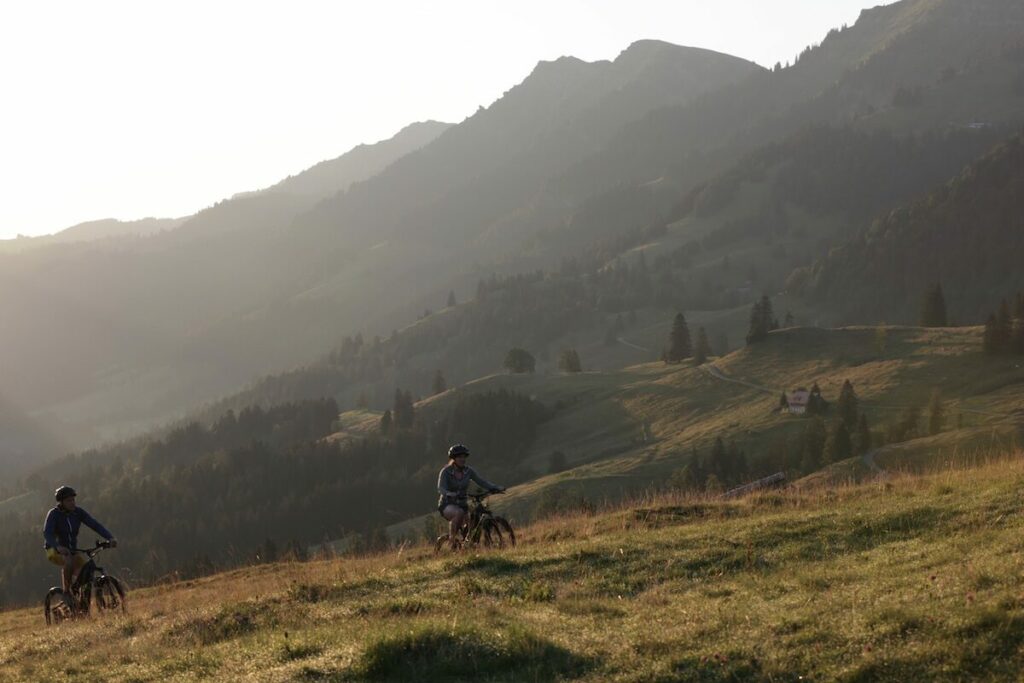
(64, 492)
(457, 449)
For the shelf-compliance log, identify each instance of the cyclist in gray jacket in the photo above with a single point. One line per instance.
(453, 484)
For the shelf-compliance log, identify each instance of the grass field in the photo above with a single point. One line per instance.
(907, 578)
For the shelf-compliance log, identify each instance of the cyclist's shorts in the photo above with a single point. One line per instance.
(53, 556)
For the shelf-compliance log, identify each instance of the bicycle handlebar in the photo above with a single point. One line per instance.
(92, 552)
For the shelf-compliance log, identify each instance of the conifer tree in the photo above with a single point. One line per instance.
(847, 405)
(990, 338)
(936, 413)
(862, 441)
(838, 446)
(933, 313)
(439, 385)
(703, 350)
(385, 422)
(679, 344)
(1004, 328)
(762, 321)
(451, 299)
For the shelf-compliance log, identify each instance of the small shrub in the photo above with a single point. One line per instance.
(436, 654)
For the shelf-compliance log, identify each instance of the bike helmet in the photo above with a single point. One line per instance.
(64, 492)
(457, 449)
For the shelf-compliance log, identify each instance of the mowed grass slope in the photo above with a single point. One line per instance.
(912, 578)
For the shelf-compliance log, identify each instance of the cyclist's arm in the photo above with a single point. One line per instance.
(50, 530)
(91, 522)
(481, 481)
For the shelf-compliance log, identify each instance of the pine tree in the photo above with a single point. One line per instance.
(838, 446)
(403, 413)
(812, 445)
(451, 299)
(439, 385)
(847, 405)
(790, 320)
(762, 321)
(703, 350)
(933, 313)
(936, 413)
(385, 422)
(679, 344)
(990, 338)
(783, 402)
(862, 441)
(1004, 328)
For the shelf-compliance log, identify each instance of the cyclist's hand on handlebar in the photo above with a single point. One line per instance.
(112, 543)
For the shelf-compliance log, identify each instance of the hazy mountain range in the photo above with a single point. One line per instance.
(663, 147)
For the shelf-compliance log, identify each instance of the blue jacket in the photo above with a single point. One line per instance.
(61, 528)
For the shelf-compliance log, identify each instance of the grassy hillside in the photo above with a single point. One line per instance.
(909, 578)
(628, 430)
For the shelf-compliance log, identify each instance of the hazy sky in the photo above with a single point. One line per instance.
(133, 109)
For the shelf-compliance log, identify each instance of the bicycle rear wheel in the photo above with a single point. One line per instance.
(109, 595)
(55, 609)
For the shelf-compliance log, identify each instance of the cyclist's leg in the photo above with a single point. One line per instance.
(456, 516)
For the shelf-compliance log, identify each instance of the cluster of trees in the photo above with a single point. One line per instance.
(213, 497)
(762, 321)
(681, 347)
(1004, 329)
(722, 467)
(878, 274)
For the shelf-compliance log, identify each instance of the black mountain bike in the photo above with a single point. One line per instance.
(92, 582)
(482, 528)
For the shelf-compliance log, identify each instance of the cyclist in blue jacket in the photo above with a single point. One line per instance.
(60, 535)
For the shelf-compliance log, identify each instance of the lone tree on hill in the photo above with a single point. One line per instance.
(451, 299)
(762, 321)
(933, 313)
(439, 386)
(679, 345)
(847, 405)
(703, 350)
(519, 361)
(569, 361)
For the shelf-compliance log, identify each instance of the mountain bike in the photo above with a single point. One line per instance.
(92, 581)
(482, 528)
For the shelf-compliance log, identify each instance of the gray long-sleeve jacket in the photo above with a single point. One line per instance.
(453, 489)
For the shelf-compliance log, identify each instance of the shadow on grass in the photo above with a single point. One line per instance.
(436, 654)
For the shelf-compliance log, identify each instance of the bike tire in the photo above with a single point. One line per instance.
(505, 529)
(54, 608)
(440, 544)
(110, 595)
(491, 535)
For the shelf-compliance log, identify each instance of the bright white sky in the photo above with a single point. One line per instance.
(129, 109)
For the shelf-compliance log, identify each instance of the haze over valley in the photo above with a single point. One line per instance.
(669, 273)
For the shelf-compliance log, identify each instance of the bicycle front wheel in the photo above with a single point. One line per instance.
(109, 594)
(504, 529)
